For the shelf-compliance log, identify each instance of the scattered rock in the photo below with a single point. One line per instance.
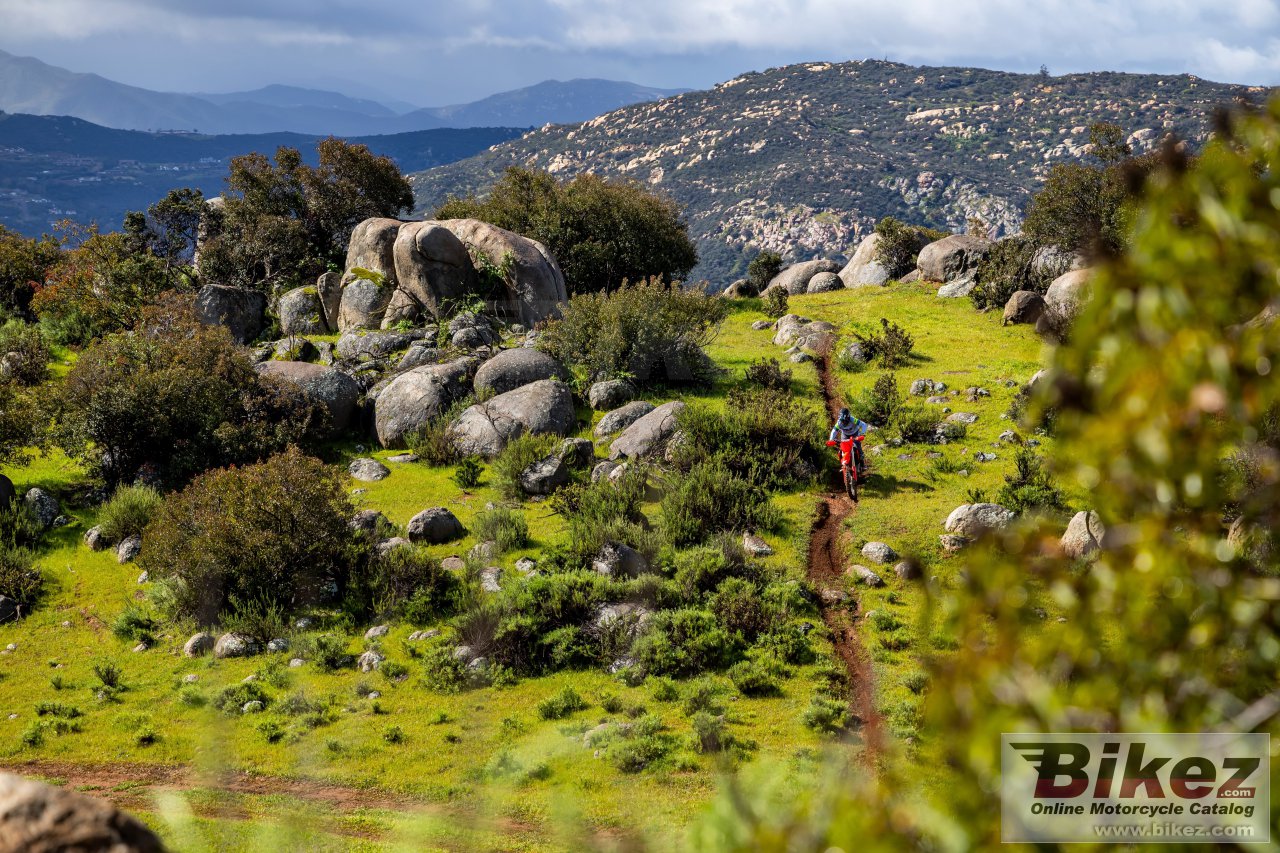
(294, 663)
(825, 282)
(544, 407)
(94, 540)
(865, 575)
(526, 565)
(515, 368)
(43, 506)
(278, 645)
(603, 470)
(1069, 293)
(1083, 535)
(761, 325)
(301, 312)
(489, 579)
(368, 470)
(40, 818)
(984, 457)
(951, 542)
(879, 552)
(577, 452)
(377, 631)
(952, 257)
(1023, 307)
(616, 560)
(369, 661)
(242, 311)
(924, 387)
(368, 521)
(755, 546)
(453, 564)
(144, 577)
(129, 549)
(646, 436)
(958, 288)
(973, 520)
(386, 546)
(965, 418)
(907, 570)
(795, 278)
(1010, 437)
(333, 389)
(234, 646)
(253, 706)
(190, 678)
(610, 394)
(435, 526)
(622, 417)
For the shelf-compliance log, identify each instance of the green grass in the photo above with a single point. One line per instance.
(439, 767)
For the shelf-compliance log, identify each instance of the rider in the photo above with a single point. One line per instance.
(848, 428)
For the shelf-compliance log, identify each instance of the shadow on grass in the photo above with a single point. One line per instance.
(887, 485)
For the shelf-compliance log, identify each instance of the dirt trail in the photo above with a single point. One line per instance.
(826, 568)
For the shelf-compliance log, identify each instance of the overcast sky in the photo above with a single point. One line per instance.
(429, 52)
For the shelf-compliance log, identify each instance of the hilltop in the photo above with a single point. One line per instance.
(803, 159)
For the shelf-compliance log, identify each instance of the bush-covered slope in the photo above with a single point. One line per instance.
(804, 159)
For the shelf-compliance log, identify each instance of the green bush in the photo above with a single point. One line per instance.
(394, 735)
(710, 734)
(826, 715)
(262, 619)
(561, 705)
(877, 405)
(176, 399)
(24, 352)
(755, 678)
(774, 302)
(20, 578)
(272, 532)
(915, 424)
(327, 651)
(648, 332)
(505, 526)
(900, 245)
(433, 442)
(442, 670)
(467, 474)
(135, 624)
(602, 512)
(684, 642)
(601, 231)
(767, 373)
(763, 268)
(1031, 487)
(891, 346)
(737, 604)
(665, 690)
(232, 699)
(405, 582)
(709, 499)
(128, 512)
(1008, 268)
(518, 455)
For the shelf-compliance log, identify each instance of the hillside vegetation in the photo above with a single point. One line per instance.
(804, 159)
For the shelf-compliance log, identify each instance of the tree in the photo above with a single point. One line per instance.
(284, 222)
(169, 231)
(1082, 206)
(763, 268)
(175, 398)
(601, 232)
(25, 264)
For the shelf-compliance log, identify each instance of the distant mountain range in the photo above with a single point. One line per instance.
(804, 159)
(57, 167)
(28, 85)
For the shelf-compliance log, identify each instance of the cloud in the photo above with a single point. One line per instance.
(486, 45)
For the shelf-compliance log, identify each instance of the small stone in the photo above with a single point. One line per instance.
(755, 546)
(304, 623)
(141, 647)
(373, 694)
(761, 325)
(278, 645)
(369, 661)
(951, 542)
(377, 631)
(250, 678)
(403, 458)
(489, 579)
(525, 565)
(144, 577)
(865, 575)
(965, 418)
(985, 457)
(94, 540)
(252, 707)
(199, 644)
(129, 549)
(190, 679)
(907, 571)
(296, 662)
(453, 564)
(879, 552)
(368, 470)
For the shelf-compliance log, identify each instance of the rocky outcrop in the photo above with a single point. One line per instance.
(647, 435)
(795, 278)
(432, 266)
(622, 417)
(1023, 307)
(241, 311)
(335, 390)
(863, 270)
(542, 407)
(952, 258)
(301, 312)
(974, 520)
(610, 394)
(363, 305)
(1069, 293)
(416, 397)
(39, 818)
(513, 368)
(534, 286)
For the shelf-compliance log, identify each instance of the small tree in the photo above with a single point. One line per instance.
(275, 532)
(763, 268)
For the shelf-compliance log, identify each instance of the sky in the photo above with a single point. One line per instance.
(431, 53)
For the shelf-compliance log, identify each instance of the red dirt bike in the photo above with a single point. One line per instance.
(848, 469)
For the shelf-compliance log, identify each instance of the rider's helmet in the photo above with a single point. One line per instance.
(845, 417)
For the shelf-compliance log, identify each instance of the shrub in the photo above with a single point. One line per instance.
(766, 435)
(271, 731)
(24, 353)
(826, 715)
(505, 526)
(561, 705)
(705, 695)
(327, 651)
(109, 675)
(665, 690)
(518, 455)
(232, 699)
(754, 678)
(128, 511)
(1030, 487)
(442, 670)
(20, 579)
(915, 424)
(602, 232)
(788, 642)
(763, 268)
(708, 499)
(900, 245)
(767, 373)
(405, 581)
(891, 346)
(738, 606)
(710, 734)
(433, 443)
(177, 399)
(275, 532)
(684, 642)
(877, 405)
(1008, 268)
(134, 624)
(603, 512)
(774, 302)
(467, 474)
(649, 332)
(394, 735)
(916, 681)
(262, 619)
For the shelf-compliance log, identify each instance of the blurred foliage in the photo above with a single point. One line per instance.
(1172, 627)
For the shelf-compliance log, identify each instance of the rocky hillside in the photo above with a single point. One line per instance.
(804, 159)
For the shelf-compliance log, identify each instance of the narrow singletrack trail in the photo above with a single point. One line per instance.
(826, 571)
